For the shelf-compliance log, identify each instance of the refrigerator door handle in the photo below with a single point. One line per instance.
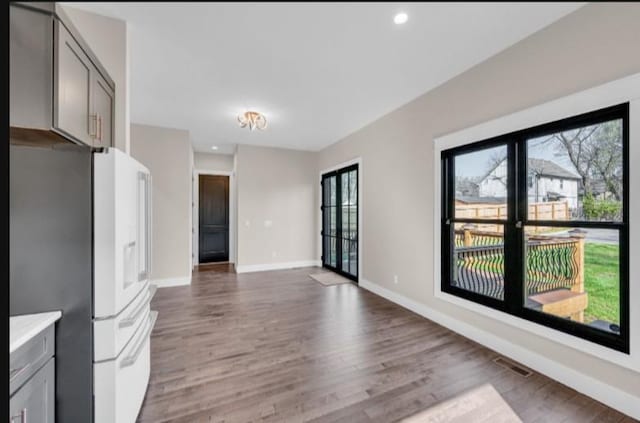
(133, 317)
(125, 249)
(137, 350)
(144, 272)
(149, 217)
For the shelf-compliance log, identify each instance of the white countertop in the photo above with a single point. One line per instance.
(23, 328)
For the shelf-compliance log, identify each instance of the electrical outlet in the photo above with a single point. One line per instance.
(395, 279)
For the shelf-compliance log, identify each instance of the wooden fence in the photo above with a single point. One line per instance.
(553, 210)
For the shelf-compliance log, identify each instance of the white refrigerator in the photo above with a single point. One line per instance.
(122, 294)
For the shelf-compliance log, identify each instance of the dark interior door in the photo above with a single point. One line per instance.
(340, 221)
(213, 216)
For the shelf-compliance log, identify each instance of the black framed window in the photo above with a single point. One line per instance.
(535, 224)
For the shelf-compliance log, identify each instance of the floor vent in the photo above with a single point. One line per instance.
(514, 367)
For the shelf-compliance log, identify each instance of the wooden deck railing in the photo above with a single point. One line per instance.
(554, 273)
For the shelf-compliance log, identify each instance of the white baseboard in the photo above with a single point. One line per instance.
(276, 266)
(169, 282)
(594, 388)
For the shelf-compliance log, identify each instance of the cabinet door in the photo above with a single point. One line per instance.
(72, 88)
(103, 107)
(30, 67)
(34, 401)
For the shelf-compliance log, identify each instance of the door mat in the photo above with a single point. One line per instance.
(329, 278)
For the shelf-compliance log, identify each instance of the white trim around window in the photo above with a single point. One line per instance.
(619, 91)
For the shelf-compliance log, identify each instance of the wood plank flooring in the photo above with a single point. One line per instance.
(280, 347)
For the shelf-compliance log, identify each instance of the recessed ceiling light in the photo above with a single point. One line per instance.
(400, 18)
(214, 147)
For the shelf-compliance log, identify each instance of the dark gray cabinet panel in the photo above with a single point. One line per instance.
(73, 86)
(103, 110)
(34, 401)
(50, 243)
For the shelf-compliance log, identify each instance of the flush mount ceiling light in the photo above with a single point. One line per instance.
(400, 18)
(253, 120)
(214, 147)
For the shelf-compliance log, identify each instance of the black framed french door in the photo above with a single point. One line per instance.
(340, 221)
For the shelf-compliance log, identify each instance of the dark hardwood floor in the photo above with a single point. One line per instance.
(280, 347)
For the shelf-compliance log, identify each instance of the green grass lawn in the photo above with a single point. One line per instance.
(601, 278)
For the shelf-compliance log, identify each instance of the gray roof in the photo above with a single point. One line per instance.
(481, 200)
(548, 168)
(543, 168)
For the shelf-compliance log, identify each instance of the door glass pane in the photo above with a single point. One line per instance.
(332, 251)
(345, 222)
(353, 258)
(345, 255)
(332, 221)
(344, 185)
(326, 195)
(478, 260)
(353, 222)
(332, 190)
(574, 274)
(576, 174)
(481, 184)
(353, 187)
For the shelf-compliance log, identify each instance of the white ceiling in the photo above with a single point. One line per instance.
(318, 71)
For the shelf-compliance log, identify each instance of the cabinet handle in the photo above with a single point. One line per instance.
(93, 125)
(99, 128)
(15, 372)
(22, 416)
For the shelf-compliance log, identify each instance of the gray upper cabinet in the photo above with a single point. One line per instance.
(57, 84)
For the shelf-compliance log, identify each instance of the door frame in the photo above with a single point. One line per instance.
(358, 161)
(195, 231)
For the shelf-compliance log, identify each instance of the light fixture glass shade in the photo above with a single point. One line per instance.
(253, 120)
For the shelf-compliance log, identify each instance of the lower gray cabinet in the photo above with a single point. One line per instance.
(34, 401)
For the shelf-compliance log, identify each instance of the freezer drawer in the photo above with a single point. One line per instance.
(121, 384)
(122, 198)
(111, 335)
(35, 400)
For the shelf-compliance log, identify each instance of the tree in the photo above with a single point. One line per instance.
(607, 157)
(495, 160)
(595, 152)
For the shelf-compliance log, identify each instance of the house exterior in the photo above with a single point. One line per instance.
(546, 181)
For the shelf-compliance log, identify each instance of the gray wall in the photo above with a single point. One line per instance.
(167, 153)
(596, 44)
(209, 161)
(278, 186)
